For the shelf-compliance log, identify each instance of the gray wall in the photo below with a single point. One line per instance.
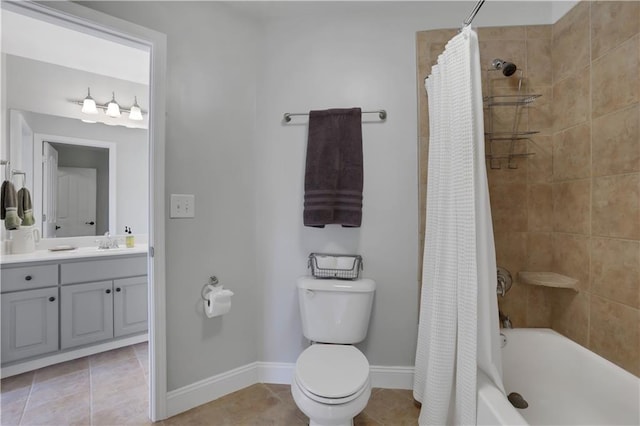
(245, 167)
(47, 88)
(363, 56)
(211, 96)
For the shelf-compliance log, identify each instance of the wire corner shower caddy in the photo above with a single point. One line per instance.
(511, 136)
(517, 101)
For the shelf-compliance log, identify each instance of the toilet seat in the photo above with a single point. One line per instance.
(331, 401)
(332, 374)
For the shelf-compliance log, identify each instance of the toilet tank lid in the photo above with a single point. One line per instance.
(362, 285)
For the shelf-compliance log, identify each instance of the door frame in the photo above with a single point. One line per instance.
(75, 16)
(39, 139)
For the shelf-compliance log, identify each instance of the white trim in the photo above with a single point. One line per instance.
(388, 377)
(276, 372)
(72, 15)
(214, 387)
(39, 139)
(392, 377)
(23, 367)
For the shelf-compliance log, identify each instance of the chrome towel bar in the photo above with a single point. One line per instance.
(382, 114)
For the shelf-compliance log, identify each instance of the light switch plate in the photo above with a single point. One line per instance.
(183, 205)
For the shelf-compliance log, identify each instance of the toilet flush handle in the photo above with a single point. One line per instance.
(310, 293)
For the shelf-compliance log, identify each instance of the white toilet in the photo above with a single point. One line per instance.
(331, 382)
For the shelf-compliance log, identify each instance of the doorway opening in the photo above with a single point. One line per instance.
(72, 17)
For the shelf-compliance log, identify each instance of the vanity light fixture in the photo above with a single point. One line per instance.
(113, 109)
(88, 104)
(135, 113)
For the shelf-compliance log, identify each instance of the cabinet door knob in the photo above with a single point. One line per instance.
(28, 277)
(118, 289)
(108, 291)
(52, 299)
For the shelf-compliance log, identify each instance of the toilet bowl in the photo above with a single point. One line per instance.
(331, 384)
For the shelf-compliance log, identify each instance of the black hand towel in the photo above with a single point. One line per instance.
(333, 176)
(9, 206)
(25, 207)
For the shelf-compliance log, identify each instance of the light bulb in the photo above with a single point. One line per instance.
(135, 113)
(88, 104)
(113, 109)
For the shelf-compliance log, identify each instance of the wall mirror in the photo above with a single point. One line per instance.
(78, 198)
(87, 173)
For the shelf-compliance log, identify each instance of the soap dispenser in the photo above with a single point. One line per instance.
(130, 240)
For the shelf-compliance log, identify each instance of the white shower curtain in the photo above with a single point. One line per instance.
(458, 331)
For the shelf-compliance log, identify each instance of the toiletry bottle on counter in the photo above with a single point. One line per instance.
(129, 239)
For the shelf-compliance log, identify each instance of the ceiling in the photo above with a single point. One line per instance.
(267, 10)
(42, 41)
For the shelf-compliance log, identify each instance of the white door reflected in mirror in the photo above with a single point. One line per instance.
(77, 187)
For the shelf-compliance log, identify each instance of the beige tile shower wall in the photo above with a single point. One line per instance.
(521, 199)
(596, 177)
(524, 195)
(573, 207)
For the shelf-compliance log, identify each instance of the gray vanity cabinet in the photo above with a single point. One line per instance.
(29, 323)
(111, 300)
(54, 306)
(129, 306)
(86, 313)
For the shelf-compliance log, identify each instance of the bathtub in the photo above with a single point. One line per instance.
(563, 382)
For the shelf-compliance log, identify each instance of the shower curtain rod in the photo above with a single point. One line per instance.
(382, 114)
(473, 14)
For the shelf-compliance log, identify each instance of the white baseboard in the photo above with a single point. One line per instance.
(23, 367)
(391, 377)
(207, 390)
(388, 377)
(280, 373)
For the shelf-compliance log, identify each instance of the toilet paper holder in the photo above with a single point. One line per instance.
(217, 299)
(213, 284)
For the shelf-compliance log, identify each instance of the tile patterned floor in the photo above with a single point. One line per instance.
(111, 389)
(267, 404)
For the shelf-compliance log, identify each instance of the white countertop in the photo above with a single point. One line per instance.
(78, 253)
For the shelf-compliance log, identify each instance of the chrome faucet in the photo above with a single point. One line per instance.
(505, 321)
(107, 242)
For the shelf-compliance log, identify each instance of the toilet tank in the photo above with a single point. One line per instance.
(335, 311)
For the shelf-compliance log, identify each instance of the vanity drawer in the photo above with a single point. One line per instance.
(100, 270)
(28, 277)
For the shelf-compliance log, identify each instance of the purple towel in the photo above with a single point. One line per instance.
(333, 175)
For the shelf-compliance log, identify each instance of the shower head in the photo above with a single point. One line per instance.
(508, 68)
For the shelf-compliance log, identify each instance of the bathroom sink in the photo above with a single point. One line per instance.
(101, 250)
